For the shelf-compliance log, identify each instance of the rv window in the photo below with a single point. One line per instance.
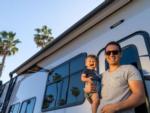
(50, 96)
(64, 87)
(76, 64)
(59, 73)
(28, 106)
(14, 108)
(75, 93)
(130, 55)
(62, 91)
(75, 89)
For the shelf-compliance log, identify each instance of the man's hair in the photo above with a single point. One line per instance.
(113, 43)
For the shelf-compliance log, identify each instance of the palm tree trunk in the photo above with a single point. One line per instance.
(2, 65)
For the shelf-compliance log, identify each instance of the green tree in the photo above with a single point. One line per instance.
(8, 47)
(43, 36)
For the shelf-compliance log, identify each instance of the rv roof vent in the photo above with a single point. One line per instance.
(116, 24)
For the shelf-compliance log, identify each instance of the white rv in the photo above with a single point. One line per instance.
(49, 82)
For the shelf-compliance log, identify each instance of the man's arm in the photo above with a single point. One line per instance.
(136, 98)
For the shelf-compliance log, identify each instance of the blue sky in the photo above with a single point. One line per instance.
(23, 16)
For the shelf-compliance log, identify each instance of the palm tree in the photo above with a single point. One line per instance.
(43, 36)
(7, 46)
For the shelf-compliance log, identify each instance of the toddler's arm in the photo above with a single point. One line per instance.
(86, 79)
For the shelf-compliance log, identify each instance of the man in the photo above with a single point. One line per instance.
(122, 86)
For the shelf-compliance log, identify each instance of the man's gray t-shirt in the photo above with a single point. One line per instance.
(115, 86)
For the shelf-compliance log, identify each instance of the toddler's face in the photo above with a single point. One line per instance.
(90, 63)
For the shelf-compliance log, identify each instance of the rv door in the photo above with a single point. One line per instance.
(136, 51)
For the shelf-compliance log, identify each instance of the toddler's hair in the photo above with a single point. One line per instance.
(92, 56)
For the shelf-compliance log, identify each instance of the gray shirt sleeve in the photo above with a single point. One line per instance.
(133, 73)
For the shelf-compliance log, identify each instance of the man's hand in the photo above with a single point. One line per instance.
(109, 108)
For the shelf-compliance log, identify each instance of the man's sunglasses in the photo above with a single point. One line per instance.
(114, 52)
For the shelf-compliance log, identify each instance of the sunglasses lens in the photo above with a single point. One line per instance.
(108, 53)
(115, 52)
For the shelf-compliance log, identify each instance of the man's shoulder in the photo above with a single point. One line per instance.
(131, 72)
(104, 73)
(122, 68)
(128, 67)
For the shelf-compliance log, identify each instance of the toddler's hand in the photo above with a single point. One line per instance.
(90, 79)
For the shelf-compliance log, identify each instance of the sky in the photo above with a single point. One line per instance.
(23, 16)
